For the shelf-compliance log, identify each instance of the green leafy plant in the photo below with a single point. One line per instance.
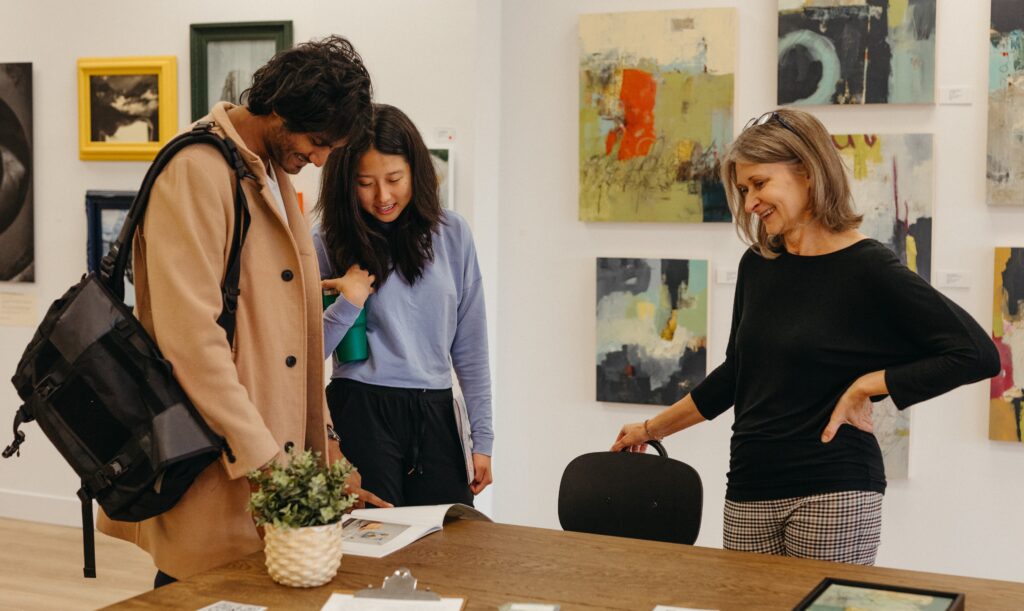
(303, 493)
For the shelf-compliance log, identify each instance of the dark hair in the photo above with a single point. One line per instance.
(319, 87)
(353, 236)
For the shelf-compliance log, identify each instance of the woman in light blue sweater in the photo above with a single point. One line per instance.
(385, 244)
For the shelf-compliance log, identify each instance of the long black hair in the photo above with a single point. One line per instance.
(352, 235)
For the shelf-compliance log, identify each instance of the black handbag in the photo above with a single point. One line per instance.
(627, 494)
(102, 392)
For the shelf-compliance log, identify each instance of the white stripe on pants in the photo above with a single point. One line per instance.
(838, 526)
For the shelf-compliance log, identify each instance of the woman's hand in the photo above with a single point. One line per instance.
(354, 485)
(632, 438)
(482, 469)
(853, 408)
(356, 285)
(354, 482)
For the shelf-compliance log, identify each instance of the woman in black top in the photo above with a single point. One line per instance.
(825, 319)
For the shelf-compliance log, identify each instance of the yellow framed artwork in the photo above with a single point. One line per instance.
(127, 107)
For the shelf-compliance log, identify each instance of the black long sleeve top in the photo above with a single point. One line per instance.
(803, 330)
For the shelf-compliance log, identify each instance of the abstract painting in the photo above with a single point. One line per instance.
(17, 247)
(892, 429)
(1005, 171)
(892, 188)
(444, 168)
(656, 114)
(856, 51)
(652, 327)
(127, 107)
(1005, 407)
(224, 57)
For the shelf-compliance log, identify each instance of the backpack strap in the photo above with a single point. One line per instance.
(115, 262)
(88, 536)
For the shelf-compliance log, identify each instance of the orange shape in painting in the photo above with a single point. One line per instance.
(637, 95)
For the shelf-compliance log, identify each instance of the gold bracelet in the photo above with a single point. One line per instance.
(647, 431)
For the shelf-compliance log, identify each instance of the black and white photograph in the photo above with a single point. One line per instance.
(124, 108)
(225, 56)
(231, 64)
(17, 250)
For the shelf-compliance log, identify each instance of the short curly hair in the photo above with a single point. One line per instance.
(320, 87)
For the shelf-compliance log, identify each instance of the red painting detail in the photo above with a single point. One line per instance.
(1004, 381)
(637, 133)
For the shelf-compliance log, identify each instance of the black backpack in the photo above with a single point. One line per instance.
(102, 392)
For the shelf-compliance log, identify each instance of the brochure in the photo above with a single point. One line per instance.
(376, 532)
(340, 601)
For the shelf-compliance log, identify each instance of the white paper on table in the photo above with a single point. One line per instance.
(230, 605)
(348, 602)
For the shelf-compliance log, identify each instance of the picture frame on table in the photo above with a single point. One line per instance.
(224, 57)
(127, 107)
(834, 593)
(105, 212)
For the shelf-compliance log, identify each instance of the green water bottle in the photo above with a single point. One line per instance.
(353, 346)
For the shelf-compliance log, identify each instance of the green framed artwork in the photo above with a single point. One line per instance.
(224, 57)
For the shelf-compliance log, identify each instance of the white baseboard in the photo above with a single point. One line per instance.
(19, 505)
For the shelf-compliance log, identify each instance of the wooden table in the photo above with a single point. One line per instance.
(492, 564)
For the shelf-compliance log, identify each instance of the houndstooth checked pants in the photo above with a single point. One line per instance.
(838, 526)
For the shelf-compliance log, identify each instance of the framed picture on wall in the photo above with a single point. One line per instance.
(444, 166)
(127, 107)
(224, 57)
(844, 594)
(105, 212)
(17, 247)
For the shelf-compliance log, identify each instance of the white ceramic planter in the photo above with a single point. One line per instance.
(303, 557)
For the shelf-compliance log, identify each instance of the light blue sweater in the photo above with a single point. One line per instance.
(417, 333)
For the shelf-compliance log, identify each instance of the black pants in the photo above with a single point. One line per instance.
(404, 442)
(162, 579)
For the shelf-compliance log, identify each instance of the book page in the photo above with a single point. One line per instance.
(424, 515)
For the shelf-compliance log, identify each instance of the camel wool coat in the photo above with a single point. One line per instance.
(263, 392)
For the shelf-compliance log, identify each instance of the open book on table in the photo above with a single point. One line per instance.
(378, 532)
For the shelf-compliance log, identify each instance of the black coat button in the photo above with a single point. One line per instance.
(287, 275)
(290, 361)
(288, 445)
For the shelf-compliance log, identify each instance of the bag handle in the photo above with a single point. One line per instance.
(115, 262)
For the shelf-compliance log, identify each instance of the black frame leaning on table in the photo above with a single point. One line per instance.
(956, 599)
(202, 34)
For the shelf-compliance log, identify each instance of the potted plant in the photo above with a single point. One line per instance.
(300, 506)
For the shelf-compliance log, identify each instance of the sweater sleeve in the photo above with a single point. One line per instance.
(340, 315)
(954, 349)
(717, 392)
(469, 351)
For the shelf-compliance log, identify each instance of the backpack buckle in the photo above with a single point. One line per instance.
(15, 447)
(47, 386)
(20, 416)
(108, 261)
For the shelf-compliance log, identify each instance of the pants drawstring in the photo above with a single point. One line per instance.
(420, 426)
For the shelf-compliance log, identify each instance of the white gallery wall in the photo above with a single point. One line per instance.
(959, 510)
(435, 60)
(503, 76)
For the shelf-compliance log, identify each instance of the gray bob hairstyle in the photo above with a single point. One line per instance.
(796, 138)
